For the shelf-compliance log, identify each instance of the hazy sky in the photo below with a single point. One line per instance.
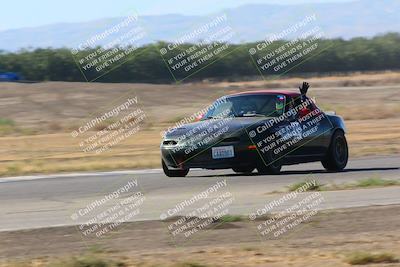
(30, 13)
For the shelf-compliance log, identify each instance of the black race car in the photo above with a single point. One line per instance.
(260, 130)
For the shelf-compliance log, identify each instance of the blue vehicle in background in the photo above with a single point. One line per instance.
(9, 77)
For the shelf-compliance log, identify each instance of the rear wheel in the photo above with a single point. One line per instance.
(246, 170)
(338, 154)
(174, 173)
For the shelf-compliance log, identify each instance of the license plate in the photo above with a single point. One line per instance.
(222, 152)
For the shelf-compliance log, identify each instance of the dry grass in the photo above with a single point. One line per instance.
(372, 182)
(296, 186)
(334, 80)
(374, 137)
(36, 119)
(330, 239)
(363, 258)
(51, 153)
(257, 255)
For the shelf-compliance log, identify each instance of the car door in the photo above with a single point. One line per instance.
(315, 127)
(275, 137)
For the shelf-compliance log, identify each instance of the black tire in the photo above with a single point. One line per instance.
(338, 153)
(245, 170)
(174, 173)
(270, 166)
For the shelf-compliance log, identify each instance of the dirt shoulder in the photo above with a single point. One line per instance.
(327, 238)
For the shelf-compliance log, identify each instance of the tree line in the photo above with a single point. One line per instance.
(147, 65)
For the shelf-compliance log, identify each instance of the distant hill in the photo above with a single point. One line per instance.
(251, 23)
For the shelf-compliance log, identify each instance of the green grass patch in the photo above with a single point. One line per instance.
(249, 249)
(307, 185)
(372, 182)
(7, 126)
(6, 122)
(362, 258)
(87, 261)
(12, 169)
(190, 264)
(230, 218)
(364, 183)
(176, 119)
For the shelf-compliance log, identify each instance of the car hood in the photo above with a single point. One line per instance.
(235, 126)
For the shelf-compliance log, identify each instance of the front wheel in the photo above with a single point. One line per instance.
(271, 165)
(174, 173)
(338, 153)
(245, 170)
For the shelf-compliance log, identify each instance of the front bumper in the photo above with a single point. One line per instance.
(202, 157)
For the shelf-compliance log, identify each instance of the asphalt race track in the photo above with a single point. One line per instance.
(44, 201)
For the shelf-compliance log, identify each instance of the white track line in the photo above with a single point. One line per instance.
(78, 174)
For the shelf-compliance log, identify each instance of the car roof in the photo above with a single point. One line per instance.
(268, 92)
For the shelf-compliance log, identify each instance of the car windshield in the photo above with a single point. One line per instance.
(271, 105)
